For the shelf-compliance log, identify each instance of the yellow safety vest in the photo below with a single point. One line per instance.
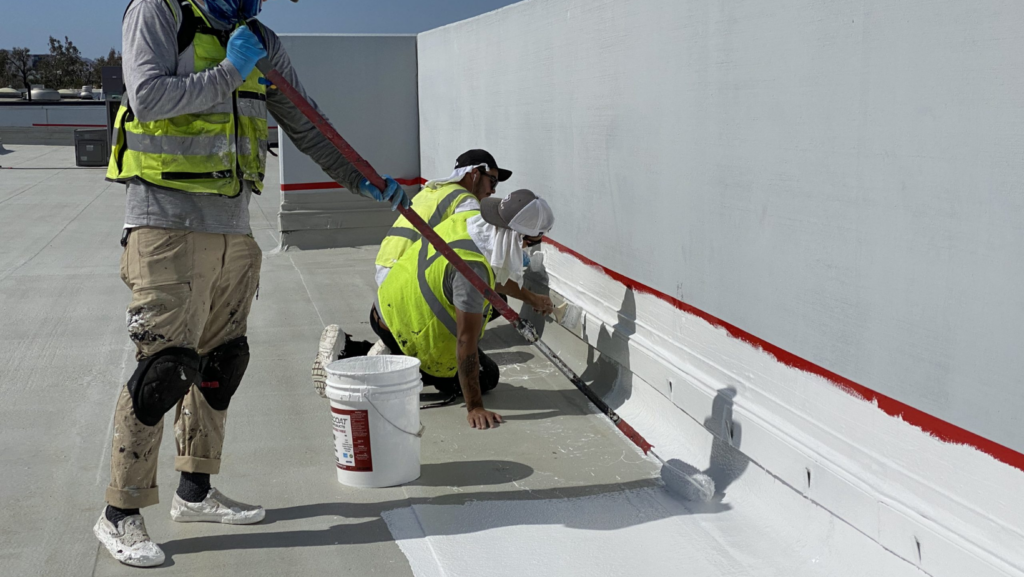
(211, 151)
(434, 205)
(412, 299)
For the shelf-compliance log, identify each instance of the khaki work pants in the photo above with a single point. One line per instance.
(191, 290)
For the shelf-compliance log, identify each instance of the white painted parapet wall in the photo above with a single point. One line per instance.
(53, 124)
(836, 183)
(366, 86)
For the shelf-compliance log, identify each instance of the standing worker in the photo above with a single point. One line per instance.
(191, 145)
(428, 310)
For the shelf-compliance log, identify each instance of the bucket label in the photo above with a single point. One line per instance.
(352, 440)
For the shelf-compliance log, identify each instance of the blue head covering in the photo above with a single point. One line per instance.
(233, 11)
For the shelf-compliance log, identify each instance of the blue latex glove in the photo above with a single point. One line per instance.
(394, 193)
(526, 260)
(244, 50)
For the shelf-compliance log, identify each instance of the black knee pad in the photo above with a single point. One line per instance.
(222, 372)
(160, 381)
(488, 373)
(446, 387)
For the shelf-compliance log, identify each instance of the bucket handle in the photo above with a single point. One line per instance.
(418, 435)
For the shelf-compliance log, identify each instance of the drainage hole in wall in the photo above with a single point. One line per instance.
(918, 543)
(808, 478)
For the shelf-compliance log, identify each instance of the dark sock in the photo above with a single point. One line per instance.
(355, 348)
(194, 487)
(114, 514)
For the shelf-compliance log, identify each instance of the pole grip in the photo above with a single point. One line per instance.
(634, 436)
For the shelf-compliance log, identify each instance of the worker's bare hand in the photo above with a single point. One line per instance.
(483, 419)
(542, 304)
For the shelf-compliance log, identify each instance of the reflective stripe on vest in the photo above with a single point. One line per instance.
(432, 205)
(412, 299)
(433, 302)
(208, 152)
(406, 233)
(178, 145)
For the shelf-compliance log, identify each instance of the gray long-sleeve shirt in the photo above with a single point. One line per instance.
(155, 91)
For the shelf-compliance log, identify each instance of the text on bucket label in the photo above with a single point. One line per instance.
(352, 436)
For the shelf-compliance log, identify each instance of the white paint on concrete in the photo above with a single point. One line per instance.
(757, 527)
(949, 508)
(838, 178)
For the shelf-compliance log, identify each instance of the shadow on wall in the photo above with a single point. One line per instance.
(607, 370)
(727, 462)
(608, 374)
(613, 380)
(536, 279)
(375, 530)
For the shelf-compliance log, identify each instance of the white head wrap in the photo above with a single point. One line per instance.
(504, 246)
(456, 176)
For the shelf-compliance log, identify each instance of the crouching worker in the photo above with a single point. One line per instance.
(428, 310)
(476, 177)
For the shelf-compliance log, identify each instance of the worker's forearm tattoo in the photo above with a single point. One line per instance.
(469, 377)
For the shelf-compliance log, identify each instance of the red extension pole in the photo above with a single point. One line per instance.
(524, 327)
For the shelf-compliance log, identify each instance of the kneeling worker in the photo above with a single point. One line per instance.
(476, 177)
(428, 310)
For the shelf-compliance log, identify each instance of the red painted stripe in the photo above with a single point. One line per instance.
(333, 185)
(932, 425)
(310, 186)
(74, 125)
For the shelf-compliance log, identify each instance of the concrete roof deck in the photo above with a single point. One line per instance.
(64, 354)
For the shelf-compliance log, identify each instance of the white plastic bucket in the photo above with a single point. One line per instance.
(375, 407)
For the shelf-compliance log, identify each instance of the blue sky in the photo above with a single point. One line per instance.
(95, 25)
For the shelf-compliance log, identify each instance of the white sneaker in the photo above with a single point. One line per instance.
(128, 541)
(215, 508)
(379, 349)
(329, 351)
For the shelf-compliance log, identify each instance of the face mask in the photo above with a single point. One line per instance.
(251, 8)
(227, 11)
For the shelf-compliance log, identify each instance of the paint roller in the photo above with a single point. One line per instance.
(690, 486)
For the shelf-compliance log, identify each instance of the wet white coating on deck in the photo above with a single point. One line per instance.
(756, 526)
(644, 532)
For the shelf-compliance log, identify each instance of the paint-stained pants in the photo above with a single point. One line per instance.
(190, 290)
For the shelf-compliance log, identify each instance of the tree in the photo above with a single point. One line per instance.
(113, 58)
(6, 78)
(64, 66)
(20, 68)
